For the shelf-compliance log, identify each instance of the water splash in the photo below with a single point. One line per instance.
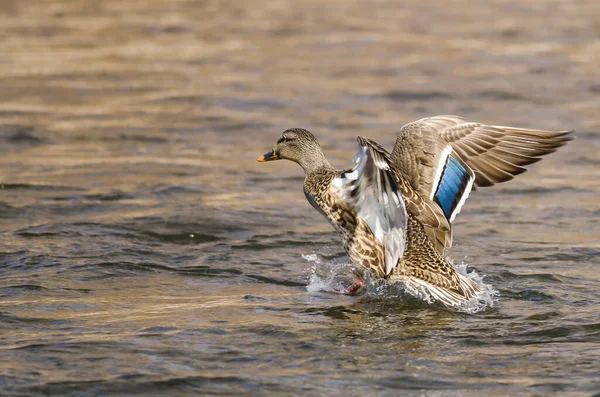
(488, 296)
(328, 276)
(336, 276)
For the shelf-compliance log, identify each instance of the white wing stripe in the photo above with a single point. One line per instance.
(463, 199)
(439, 169)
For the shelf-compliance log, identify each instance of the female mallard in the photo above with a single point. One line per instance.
(394, 212)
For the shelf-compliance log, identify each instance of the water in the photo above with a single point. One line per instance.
(144, 251)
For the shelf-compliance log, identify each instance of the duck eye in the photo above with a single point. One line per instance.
(282, 139)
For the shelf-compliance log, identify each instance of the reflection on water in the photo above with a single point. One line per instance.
(142, 249)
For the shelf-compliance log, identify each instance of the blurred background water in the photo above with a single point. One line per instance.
(144, 251)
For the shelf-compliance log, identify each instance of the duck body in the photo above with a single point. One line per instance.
(394, 212)
(420, 260)
(359, 242)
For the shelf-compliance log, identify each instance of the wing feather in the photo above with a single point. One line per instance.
(493, 154)
(372, 189)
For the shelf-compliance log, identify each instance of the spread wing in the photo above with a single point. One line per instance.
(372, 189)
(444, 157)
(494, 153)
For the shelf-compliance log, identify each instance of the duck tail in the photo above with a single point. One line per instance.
(469, 288)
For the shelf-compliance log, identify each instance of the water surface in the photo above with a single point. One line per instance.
(144, 251)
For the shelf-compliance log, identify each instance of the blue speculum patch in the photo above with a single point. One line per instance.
(452, 186)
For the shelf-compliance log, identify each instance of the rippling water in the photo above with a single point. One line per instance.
(144, 251)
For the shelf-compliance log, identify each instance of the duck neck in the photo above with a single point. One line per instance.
(315, 162)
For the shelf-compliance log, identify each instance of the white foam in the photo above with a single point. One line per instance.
(488, 296)
(328, 277)
(311, 258)
(335, 276)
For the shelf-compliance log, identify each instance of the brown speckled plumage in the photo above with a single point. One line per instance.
(359, 243)
(421, 260)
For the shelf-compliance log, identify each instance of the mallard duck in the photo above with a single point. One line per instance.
(394, 211)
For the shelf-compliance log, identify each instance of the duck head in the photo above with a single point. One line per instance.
(300, 146)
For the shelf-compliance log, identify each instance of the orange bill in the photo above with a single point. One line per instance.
(272, 155)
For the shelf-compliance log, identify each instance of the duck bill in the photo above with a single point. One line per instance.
(272, 155)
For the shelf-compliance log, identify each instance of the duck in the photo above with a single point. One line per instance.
(394, 211)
